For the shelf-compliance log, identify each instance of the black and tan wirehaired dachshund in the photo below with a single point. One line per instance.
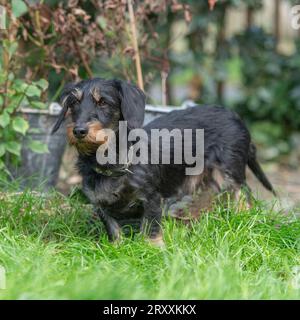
(135, 191)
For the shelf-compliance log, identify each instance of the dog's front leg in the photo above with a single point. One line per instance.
(111, 225)
(151, 225)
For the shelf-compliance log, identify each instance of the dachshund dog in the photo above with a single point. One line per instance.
(134, 191)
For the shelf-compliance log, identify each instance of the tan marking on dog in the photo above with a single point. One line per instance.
(241, 200)
(192, 183)
(68, 113)
(157, 241)
(218, 177)
(64, 100)
(102, 136)
(91, 141)
(77, 93)
(116, 233)
(95, 92)
(94, 129)
(71, 138)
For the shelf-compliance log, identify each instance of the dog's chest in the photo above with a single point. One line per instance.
(109, 192)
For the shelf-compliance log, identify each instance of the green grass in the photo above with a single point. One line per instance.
(51, 251)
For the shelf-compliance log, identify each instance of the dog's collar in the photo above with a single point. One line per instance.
(116, 172)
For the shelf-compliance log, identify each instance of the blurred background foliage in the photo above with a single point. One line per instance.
(227, 55)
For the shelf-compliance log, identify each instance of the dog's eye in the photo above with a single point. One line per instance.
(71, 100)
(101, 102)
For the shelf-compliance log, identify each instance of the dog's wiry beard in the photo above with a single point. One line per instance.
(90, 143)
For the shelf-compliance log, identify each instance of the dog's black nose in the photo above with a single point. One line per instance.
(80, 132)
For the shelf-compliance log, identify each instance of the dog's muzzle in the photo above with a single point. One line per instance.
(80, 131)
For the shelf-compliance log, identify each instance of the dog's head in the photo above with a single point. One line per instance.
(98, 104)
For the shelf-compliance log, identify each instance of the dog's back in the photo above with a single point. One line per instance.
(226, 143)
(227, 149)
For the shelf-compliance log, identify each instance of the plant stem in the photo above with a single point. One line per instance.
(6, 66)
(82, 58)
(57, 92)
(135, 45)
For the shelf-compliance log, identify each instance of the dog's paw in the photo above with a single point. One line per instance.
(157, 242)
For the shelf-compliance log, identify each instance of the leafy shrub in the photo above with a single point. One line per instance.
(270, 85)
(14, 94)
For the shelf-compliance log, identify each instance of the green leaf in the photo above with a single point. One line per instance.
(13, 147)
(2, 149)
(38, 104)
(42, 83)
(2, 76)
(11, 76)
(1, 164)
(20, 86)
(11, 108)
(20, 125)
(110, 33)
(33, 91)
(38, 147)
(14, 101)
(12, 48)
(4, 119)
(102, 22)
(18, 8)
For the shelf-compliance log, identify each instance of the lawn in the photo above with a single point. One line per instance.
(50, 250)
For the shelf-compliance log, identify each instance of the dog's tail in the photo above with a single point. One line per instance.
(257, 170)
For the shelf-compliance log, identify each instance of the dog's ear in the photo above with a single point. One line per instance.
(132, 104)
(61, 117)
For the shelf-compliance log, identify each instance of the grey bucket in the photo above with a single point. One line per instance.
(152, 112)
(41, 170)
